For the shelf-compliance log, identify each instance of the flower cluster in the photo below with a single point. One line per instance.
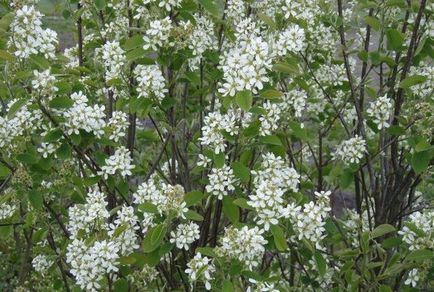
(150, 81)
(158, 33)
(28, 36)
(379, 111)
(351, 151)
(185, 235)
(118, 125)
(120, 161)
(417, 233)
(245, 244)
(92, 214)
(290, 40)
(89, 264)
(167, 198)
(271, 181)
(216, 123)
(82, 116)
(202, 38)
(44, 83)
(270, 120)
(15, 125)
(221, 181)
(308, 221)
(245, 65)
(7, 210)
(296, 100)
(114, 59)
(201, 268)
(41, 263)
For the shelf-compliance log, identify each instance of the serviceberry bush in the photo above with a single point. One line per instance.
(225, 145)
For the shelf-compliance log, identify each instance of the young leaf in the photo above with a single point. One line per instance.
(382, 230)
(395, 39)
(279, 238)
(320, 263)
(412, 80)
(231, 210)
(244, 99)
(242, 172)
(194, 197)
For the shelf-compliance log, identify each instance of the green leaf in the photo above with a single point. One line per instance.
(193, 215)
(420, 161)
(148, 208)
(320, 263)
(53, 136)
(419, 255)
(384, 288)
(241, 202)
(373, 22)
(61, 102)
(135, 54)
(227, 286)
(298, 131)
(64, 151)
(286, 68)
(244, 99)
(346, 178)
(154, 237)
(207, 251)
(100, 4)
(194, 197)
(219, 160)
(210, 6)
(279, 238)
(231, 210)
(121, 285)
(271, 94)
(134, 42)
(270, 140)
(395, 39)
(242, 172)
(36, 199)
(4, 171)
(382, 230)
(412, 80)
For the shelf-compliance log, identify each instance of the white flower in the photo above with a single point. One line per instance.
(114, 59)
(7, 210)
(118, 124)
(413, 278)
(185, 235)
(41, 263)
(221, 181)
(85, 117)
(308, 222)
(245, 66)
(120, 161)
(269, 120)
(351, 151)
(46, 149)
(203, 160)
(380, 112)
(158, 34)
(169, 199)
(28, 36)
(44, 82)
(201, 268)
(245, 244)
(290, 40)
(150, 81)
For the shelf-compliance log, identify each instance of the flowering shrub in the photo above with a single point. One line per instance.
(226, 145)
